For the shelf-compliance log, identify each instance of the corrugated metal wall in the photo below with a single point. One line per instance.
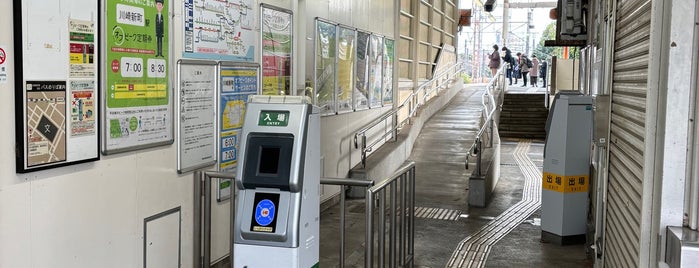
(627, 131)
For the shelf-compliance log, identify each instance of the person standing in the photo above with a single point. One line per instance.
(523, 67)
(494, 63)
(159, 28)
(542, 72)
(534, 72)
(510, 62)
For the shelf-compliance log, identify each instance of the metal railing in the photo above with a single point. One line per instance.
(399, 189)
(344, 183)
(491, 101)
(202, 216)
(417, 98)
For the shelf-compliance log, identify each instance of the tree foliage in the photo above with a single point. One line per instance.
(544, 52)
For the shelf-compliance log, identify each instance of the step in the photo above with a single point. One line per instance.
(523, 134)
(524, 114)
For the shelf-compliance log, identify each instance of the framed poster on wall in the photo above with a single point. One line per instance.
(375, 70)
(276, 32)
(237, 81)
(57, 84)
(361, 86)
(346, 39)
(325, 66)
(388, 61)
(137, 111)
(196, 114)
(219, 30)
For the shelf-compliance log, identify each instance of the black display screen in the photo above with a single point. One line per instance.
(269, 160)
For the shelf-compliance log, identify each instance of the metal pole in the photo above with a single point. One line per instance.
(207, 221)
(342, 226)
(382, 228)
(232, 228)
(403, 219)
(196, 211)
(392, 237)
(411, 242)
(492, 133)
(478, 156)
(368, 254)
(505, 22)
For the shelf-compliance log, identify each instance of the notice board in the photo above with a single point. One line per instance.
(57, 83)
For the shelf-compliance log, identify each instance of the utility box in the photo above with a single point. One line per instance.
(566, 177)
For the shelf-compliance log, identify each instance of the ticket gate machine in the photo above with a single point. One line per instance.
(278, 177)
(566, 176)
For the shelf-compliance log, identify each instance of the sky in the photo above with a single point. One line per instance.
(518, 17)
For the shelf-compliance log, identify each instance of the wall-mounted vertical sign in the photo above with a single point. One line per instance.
(138, 108)
(56, 95)
(196, 114)
(3, 66)
(220, 30)
(375, 70)
(325, 66)
(388, 61)
(277, 42)
(346, 39)
(237, 82)
(361, 96)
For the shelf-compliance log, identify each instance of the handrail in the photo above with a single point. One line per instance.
(494, 83)
(343, 182)
(411, 102)
(202, 212)
(401, 222)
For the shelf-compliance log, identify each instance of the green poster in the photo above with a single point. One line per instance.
(137, 53)
(137, 95)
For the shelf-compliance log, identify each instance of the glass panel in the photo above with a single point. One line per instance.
(325, 67)
(375, 71)
(345, 68)
(361, 93)
(388, 58)
(276, 52)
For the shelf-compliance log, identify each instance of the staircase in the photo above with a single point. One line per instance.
(523, 116)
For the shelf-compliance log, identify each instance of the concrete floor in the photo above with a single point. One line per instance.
(442, 182)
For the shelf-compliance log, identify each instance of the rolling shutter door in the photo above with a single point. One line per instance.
(627, 142)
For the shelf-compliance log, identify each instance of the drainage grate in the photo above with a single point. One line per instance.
(473, 251)
(437, 213)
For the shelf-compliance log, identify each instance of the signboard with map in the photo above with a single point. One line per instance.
(219, 30)
(56, 91)
(138, 108)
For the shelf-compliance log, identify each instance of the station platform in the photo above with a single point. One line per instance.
(449, 233)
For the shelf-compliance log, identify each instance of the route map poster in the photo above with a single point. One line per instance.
(236, 85)
(138, 110)
(219, 30)
(56, 90)
(276, 34)
(46, 119)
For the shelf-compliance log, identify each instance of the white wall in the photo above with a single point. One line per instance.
(91, 215)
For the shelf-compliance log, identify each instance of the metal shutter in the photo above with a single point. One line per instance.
(627, 131)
